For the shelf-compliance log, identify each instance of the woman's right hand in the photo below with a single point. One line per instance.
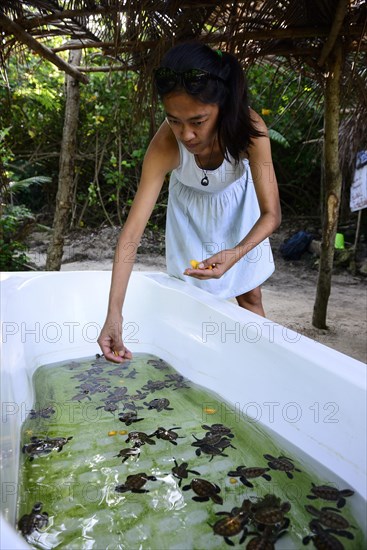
(110, 341)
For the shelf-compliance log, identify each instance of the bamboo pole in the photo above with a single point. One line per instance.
(332, 182)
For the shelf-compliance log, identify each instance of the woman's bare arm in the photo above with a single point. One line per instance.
(161, 157)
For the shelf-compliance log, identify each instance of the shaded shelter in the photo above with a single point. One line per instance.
(324, 38)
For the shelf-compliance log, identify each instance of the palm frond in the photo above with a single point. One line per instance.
(20, 185)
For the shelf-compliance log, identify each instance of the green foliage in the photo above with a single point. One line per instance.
(12, 249)
(277, 137)
(5, 153)
(17, 185)
(291, 106)
(119, 142)
(31, 127)
(112, 142)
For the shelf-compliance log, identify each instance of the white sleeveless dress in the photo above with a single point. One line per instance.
(202, 221)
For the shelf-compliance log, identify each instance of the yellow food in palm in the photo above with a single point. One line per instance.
(195, 265)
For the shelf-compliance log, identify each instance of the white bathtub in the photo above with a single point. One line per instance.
(310, 395)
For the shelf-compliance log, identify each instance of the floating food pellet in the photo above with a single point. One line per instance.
(209, 410)
(122, 432)
(113, 432)
(233, 480)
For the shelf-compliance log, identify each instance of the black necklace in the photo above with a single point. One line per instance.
(205, 180)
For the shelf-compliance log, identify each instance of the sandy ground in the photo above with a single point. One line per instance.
(288, 295)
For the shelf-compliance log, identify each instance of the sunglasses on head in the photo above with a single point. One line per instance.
(194, 81)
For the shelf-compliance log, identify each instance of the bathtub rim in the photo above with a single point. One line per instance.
(219, 305)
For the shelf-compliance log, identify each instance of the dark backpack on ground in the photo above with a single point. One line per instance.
(295, 246)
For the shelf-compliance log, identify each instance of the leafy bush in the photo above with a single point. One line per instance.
(13, 224)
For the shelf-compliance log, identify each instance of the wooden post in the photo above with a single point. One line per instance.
(66, 169)
(333, 184)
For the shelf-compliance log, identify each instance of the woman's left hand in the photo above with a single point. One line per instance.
(215, 266)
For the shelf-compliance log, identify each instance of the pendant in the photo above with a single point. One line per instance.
(205, 181)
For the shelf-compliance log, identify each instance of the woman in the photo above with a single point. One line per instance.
(223, 195)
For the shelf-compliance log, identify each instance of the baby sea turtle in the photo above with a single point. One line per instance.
(154, 385)
(205, 490)
(139, 395)
(118, 370)
(282, 463)
(35, 521)
(249, 473)
(119, 394)
(159, 404)
(134, 483)
(218, 429)
(80, 396)
(139, 439)
(223, 443)
(270, 511)
(129, 417)
(209, 439)
(211, 450)
(323, 538)
(215, 439)
(93, 387)
(325, 492)
(126, 453)
(176, 381)
(266, 538)
(94, 370)
(168, 435)
(46, 412)
(235, 521)
(181, 471)
(42, 447)
(158, 364)
(212, 444)
(132, 374)
(109, 406)
(330, 517)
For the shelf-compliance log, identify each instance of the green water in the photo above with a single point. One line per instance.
(77, 484)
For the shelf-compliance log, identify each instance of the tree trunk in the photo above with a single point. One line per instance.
(333, 184)
(66, 169)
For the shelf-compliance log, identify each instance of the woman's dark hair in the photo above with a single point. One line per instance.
(235, 127)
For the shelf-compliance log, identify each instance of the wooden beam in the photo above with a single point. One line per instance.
(341, 11)
(55, 16)
(20, 34)
(105, 69)
(30, 22)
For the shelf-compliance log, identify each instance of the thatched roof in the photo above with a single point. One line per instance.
(134, 33)
(141, 29)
